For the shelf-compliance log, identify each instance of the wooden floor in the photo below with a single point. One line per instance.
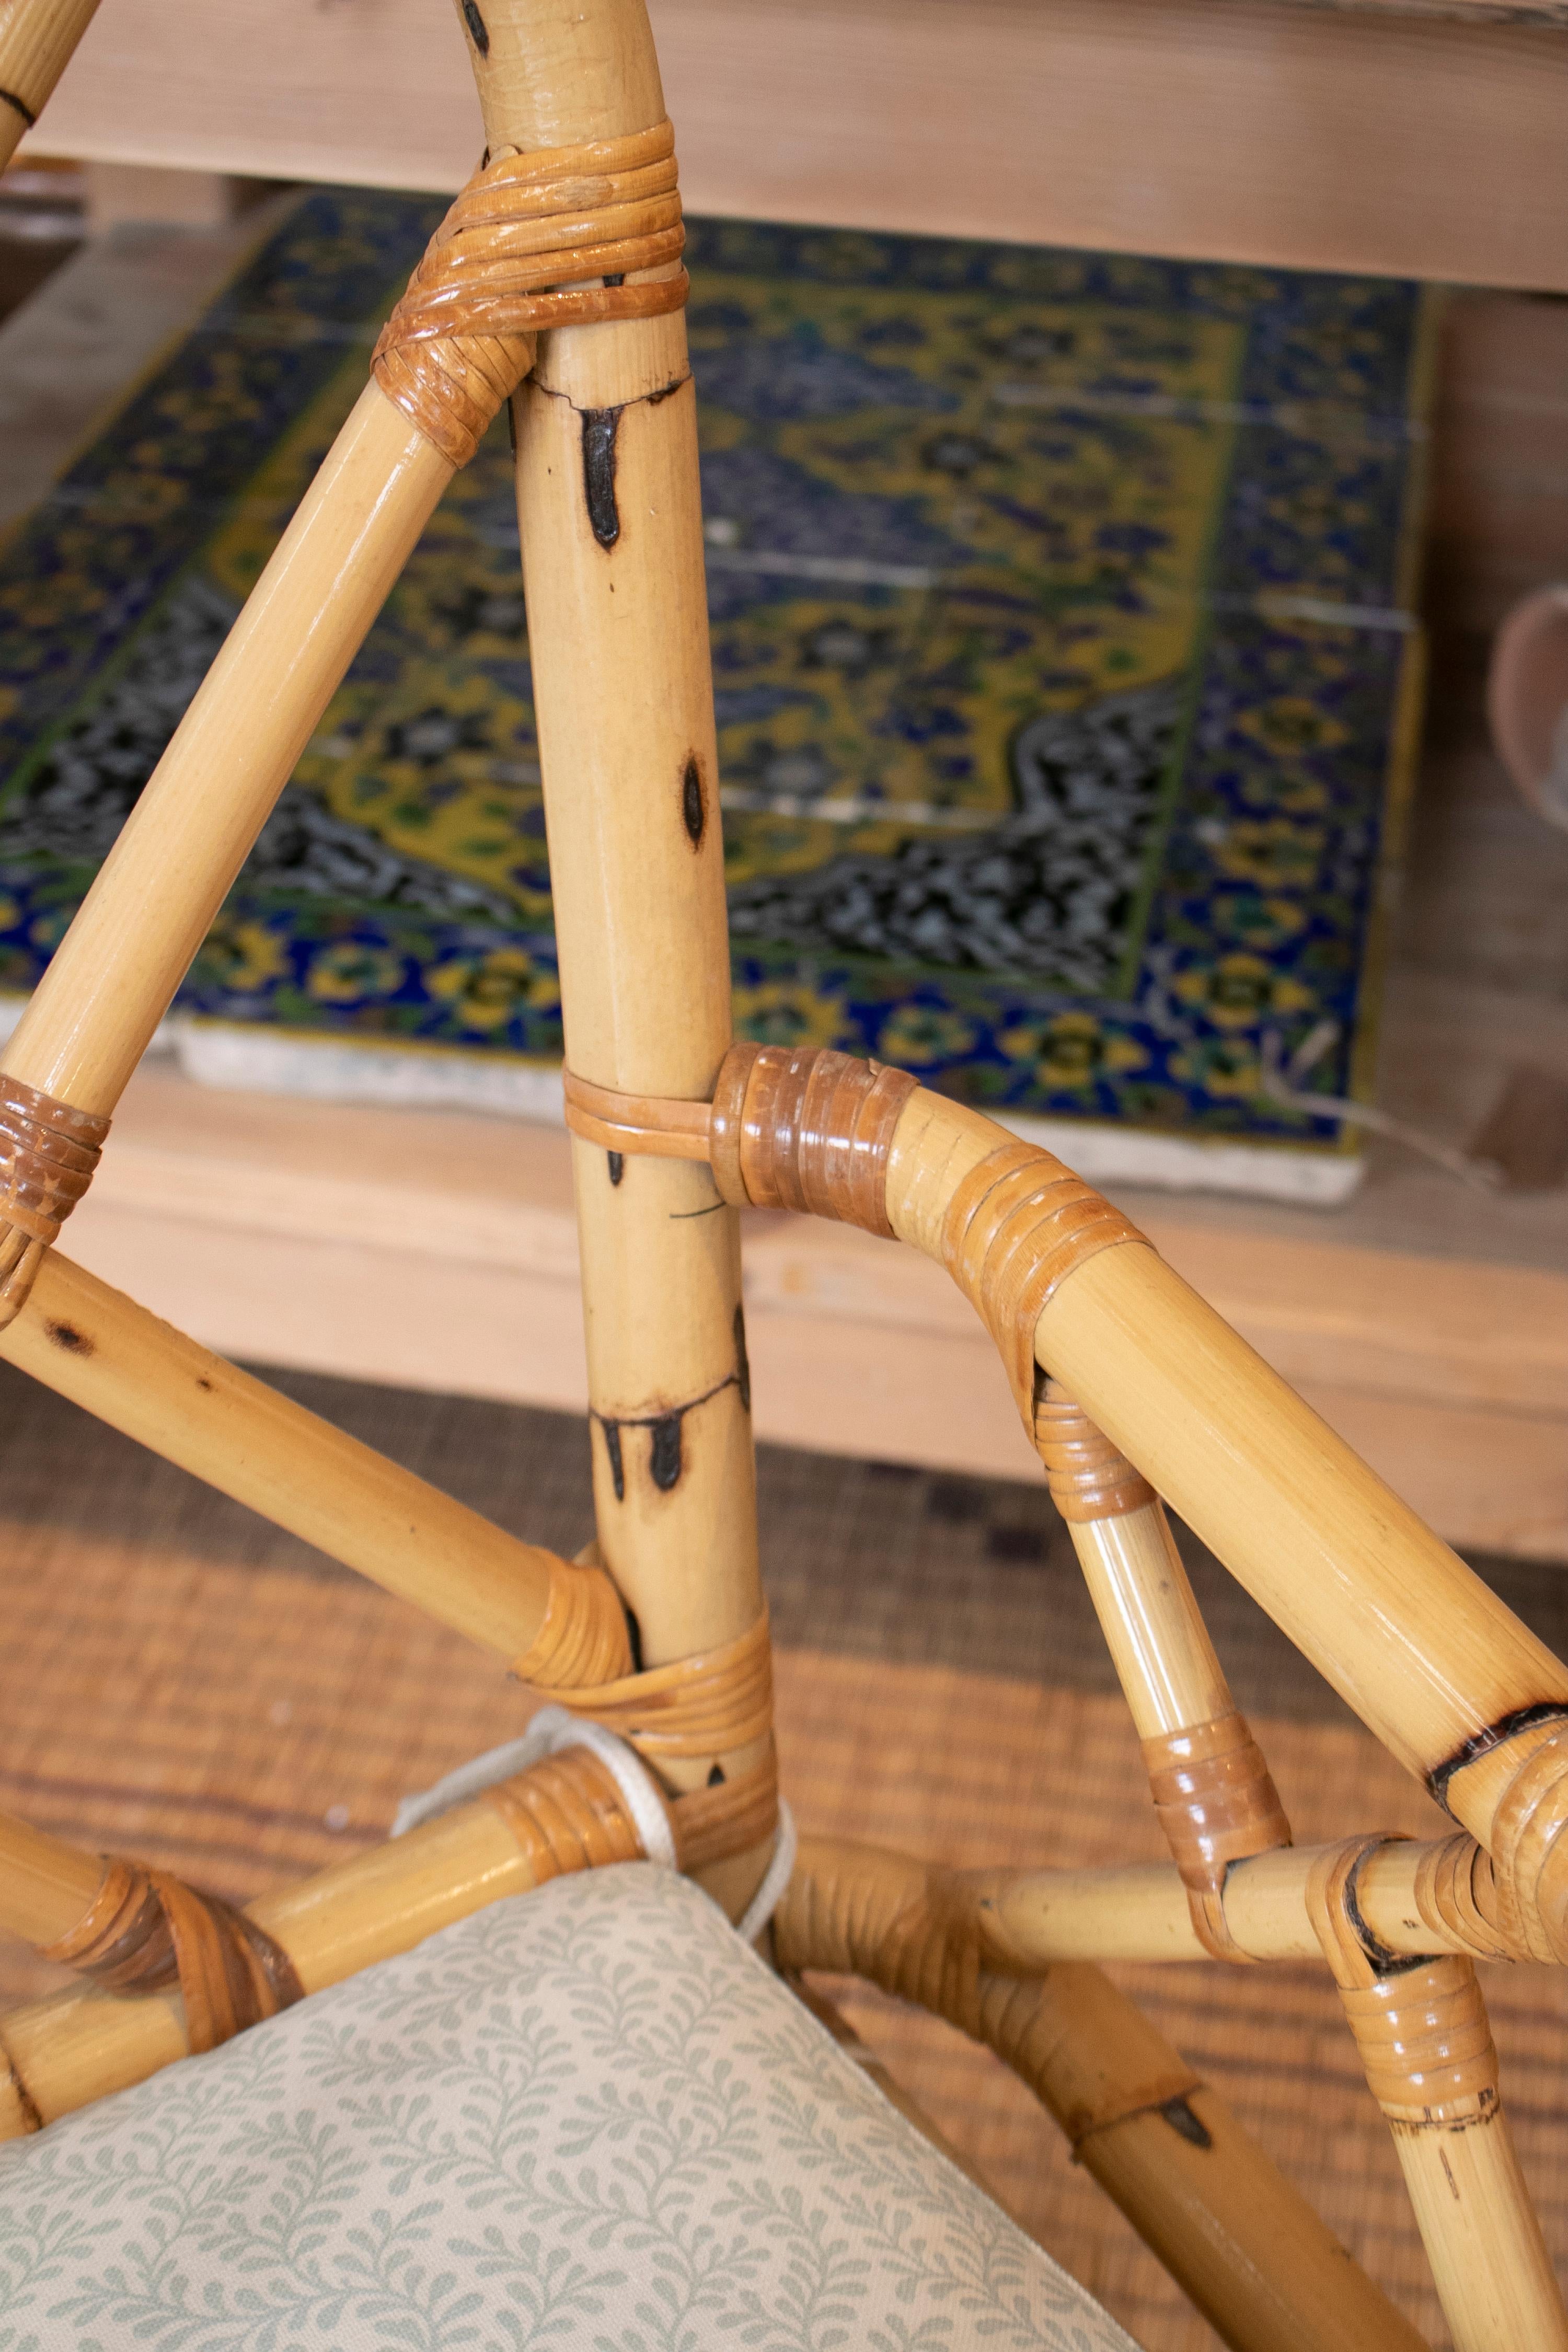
(1428, 1321)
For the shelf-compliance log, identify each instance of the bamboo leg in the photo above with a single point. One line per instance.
(1249, 2251)
(1437, 1666)
(95, 1345)
(1211, 1787)
(611, 549)
(1424, 2038)
(37, 38)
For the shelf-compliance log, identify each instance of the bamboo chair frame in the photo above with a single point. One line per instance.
(659, 1629)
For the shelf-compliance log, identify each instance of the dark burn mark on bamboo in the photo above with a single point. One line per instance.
(477, 27)
(617, 1161)
(614, 278)
(633, 1636)
(1482, 1743)
(742, 1361)
(599, 426)
(716, 1776)
(67, 1336)
(202, 1382)
(19, 106)
(665, 1453)
(693, 808)
(1179, 2115)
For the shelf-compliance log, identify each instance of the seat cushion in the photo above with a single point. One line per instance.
(586, 2118)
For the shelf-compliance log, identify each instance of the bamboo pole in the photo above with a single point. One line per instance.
(119, 1362)
(1241, 2241)
(37, 39)
(1154, 1627)
(1424, 2038)
(114, 974)
(45, 1885)
(1138, 1911)
(83, 2044)
(612, 550)
(1430, 1659)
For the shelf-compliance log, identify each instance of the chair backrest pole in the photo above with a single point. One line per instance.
(611, 549)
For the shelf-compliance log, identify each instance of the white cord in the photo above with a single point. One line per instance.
(771, 1893)
(552, 1729)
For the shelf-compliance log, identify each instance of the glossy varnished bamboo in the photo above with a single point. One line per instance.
(1154, 1628)
(36, 37)
(612, 549)
(98, 1347)
(1423, 1651)
(1490, 2265)
(114, 974)
(1139, 1911)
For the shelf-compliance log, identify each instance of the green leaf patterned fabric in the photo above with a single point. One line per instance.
(587, 2120)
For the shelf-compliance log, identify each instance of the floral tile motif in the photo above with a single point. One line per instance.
(1065, 668)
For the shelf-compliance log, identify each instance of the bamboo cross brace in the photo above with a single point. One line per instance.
(88, 1342)
(37, 40)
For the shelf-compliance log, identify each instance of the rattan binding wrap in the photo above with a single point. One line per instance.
(1421, 2028)
(1530, 1854)
(1089, 1479)
(706, 1705)
(807, 1129)
(146, 1929)
(583, 1639)
(1217, 1804)
(1016, 1226)
(913, 1928)
(511, 257)
(49, 1152)
(567, 1814)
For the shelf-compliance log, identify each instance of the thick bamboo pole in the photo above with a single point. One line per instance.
(95, 1345)
(1248, 2249)
(1428, 1657)
(114, 974)
(611, 549)
(37, 38)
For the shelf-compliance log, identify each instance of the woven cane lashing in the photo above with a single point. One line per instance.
(566, 1813)
(1215, 1797)
(1017, 1227)
(146, 1929)
(1530, 1854)
(49, 1152)
(1456, 1894)
(807, 1129)
(707, 1705)
(583, 1639)
(1421, 2031)
(1089, 1479)
(511, 257)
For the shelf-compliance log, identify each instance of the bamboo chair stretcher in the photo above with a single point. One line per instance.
(1432, 1662)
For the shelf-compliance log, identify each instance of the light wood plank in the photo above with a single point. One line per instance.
(1376, 139)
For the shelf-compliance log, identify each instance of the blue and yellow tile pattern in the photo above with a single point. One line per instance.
(1063, 660)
